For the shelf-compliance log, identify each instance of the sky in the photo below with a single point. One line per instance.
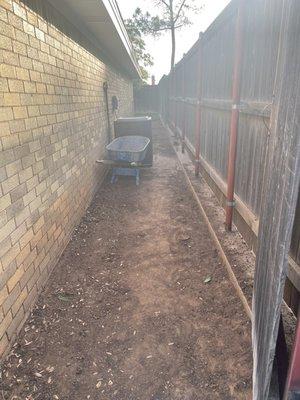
(160, 48)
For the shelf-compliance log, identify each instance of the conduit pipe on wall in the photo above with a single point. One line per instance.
(234, 122)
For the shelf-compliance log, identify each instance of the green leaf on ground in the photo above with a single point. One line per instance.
(65, 297)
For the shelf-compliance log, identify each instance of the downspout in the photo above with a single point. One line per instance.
(234, 115)
(198, 109)
(109, 134)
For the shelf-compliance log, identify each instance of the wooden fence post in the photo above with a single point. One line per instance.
(198, 110)
(280, 190)
(234, 113)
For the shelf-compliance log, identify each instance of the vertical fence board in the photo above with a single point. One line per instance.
(280, 190)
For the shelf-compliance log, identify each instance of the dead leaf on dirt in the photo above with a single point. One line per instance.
(38, 375)
(65, 297)
(183, 237)
(207, 280)
(98, 385)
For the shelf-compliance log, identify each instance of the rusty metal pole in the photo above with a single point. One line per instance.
(169, 101)
(173, 116)
(175, 99)
(183, 107)
(170, 94)
(234, 115)
(198, 110)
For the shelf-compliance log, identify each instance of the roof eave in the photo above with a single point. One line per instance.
(113, 11)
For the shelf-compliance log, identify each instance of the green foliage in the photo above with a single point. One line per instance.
(174, 14)
(148, 24)
(135, 35)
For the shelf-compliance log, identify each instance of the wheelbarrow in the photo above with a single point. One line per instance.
(126, 154)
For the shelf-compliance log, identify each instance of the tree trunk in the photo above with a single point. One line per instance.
(172, 27)
(173, 46)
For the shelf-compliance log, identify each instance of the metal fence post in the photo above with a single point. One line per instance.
(198, 110)
(234, 114)
(183, 106)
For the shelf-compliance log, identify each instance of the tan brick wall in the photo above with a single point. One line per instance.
(52, 129)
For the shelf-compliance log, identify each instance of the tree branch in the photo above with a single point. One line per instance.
(159, 29)
(166, 4)
(179, 11)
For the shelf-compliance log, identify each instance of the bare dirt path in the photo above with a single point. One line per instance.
(139, 306)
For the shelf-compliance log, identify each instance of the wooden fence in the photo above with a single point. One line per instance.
(196, 102)
(147, 99)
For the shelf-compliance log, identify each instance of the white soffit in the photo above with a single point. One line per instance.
(102, 22)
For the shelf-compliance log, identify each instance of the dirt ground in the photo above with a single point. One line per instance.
(139, 306)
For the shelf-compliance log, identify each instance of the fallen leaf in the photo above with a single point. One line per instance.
(183, 237)
(207, 280)
(65, 296)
